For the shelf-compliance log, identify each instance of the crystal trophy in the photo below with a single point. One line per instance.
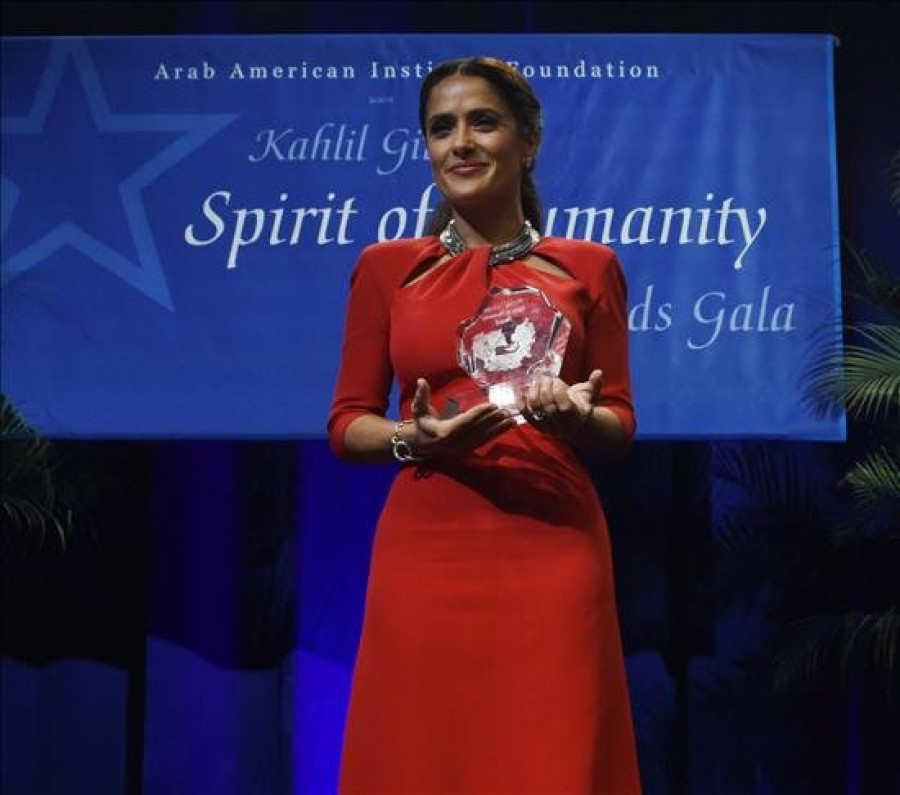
(514, 336)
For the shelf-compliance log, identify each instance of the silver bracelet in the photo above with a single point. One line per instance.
(402, 449)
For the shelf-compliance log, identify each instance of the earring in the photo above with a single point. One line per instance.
(528, 163)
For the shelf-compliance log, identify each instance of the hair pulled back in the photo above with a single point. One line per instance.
(522, 102)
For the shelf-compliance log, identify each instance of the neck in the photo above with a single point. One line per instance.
(488, 230)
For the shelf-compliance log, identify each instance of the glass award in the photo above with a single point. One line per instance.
(514, 336)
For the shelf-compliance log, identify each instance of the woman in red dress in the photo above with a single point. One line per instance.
(490, 658)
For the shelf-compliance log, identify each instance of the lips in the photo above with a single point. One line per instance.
(468, 169)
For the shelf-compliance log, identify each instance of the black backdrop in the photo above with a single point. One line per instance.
(249, 558)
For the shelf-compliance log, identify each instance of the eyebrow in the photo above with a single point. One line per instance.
(469, 114)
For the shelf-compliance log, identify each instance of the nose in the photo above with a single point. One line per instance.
(462, 139)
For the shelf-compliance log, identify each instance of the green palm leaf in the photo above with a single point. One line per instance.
(824, 640)
(894, 176)
(876, 479)
(28, 500)
(885, 630)
(863, 376)
(877, 284)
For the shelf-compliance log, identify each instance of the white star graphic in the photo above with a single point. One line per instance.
(146, 274)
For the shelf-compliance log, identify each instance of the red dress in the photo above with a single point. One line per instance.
(490, 658)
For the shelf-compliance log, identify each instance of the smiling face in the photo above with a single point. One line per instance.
(477, 152)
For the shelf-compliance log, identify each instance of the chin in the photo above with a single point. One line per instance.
(474, 199)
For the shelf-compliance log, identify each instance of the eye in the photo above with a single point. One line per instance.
(484, 122)
(439, 128)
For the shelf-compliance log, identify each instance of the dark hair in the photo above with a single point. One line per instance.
(521, 100)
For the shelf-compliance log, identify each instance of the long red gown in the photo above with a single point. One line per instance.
(490, 659)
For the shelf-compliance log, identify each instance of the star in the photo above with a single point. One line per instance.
(137, 263)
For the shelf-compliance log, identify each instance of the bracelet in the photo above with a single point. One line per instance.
(402, 449)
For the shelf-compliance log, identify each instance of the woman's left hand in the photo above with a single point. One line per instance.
(555, 407)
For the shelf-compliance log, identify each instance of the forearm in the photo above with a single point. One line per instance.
(601, 432)
(367, 440)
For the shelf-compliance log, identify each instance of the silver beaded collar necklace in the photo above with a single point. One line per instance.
(525, 240)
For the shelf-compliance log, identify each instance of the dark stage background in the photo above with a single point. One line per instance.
(195, 633)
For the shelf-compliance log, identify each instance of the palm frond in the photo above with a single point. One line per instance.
(28, 499)
(31, 515)
(864, 376)
(812, 645)
(875, 480)
(885, 629)
(831, 640)
(877, 284)
(12, 423)
(894, 179)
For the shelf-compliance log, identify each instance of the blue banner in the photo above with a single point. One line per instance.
(180, 216)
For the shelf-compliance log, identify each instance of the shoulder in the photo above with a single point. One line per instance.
(586, 251)
(591, 263)
(390, 261)
(403, 247)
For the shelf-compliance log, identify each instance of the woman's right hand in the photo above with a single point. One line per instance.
(437, 436)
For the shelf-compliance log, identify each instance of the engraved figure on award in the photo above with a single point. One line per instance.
(514, 336)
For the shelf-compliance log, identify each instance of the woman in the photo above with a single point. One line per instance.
(490, 659)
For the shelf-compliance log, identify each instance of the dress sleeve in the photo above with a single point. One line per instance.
(606, 344)
(364, 380)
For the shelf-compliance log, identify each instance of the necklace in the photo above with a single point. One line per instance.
(525, 240)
